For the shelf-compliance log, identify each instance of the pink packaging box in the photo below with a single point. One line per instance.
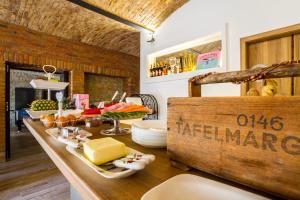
(81, 101)
(209, 60)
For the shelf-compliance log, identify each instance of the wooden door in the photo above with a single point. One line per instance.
(272, 47)
(270, 52)
(297, 57)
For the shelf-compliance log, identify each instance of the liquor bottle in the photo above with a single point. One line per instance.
(185, 62)
(159, 70)
(190, 60)
(194, 63)
(161, 67)
(154, 70)
(180, 65)
(151, 70)
(165, 70)
(169, 69)
(175, 71)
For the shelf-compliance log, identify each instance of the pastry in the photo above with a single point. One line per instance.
(61, 121)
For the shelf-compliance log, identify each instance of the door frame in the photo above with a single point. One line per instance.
(7, 111)
(269, 35)
(24, 67)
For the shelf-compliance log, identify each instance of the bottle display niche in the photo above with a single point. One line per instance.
(200, 57)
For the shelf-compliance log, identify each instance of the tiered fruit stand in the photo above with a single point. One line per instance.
(46, 85)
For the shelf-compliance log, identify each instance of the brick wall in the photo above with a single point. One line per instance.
(102, 88)
(23, 46)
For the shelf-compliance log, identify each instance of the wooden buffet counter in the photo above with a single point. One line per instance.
(91, 185)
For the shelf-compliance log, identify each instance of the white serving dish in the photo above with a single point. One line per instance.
(192, 187)
(130, 121)
(107, 170)
(43, 84)
(150, 133)
(37, 114)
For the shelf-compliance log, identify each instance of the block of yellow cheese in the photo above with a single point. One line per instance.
(103, 150)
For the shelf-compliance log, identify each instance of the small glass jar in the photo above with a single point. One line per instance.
(91, 122)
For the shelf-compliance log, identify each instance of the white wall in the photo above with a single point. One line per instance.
(199, 18)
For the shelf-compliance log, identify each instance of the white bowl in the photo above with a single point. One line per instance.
(192, 187)
(150, 133)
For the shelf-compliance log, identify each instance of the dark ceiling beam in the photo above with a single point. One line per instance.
(110, 15)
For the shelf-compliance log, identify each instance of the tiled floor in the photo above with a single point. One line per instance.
(30, 174)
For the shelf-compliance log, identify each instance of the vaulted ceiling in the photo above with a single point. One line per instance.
(148, 13)
(64, 19)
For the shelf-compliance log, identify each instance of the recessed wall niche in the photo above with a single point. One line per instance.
(102, 88)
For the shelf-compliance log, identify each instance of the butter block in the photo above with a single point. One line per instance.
(103, 150)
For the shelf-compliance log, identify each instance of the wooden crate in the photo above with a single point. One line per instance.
(254, 141)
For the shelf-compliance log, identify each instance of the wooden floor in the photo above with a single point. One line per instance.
(30, 174)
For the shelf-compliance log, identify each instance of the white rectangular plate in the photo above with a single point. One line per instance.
(54, 133)
(107, 170)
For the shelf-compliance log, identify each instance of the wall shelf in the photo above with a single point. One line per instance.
(204, 44)
(180, 76)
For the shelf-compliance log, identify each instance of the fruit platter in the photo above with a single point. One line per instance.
(116, 112)
(122, 111)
